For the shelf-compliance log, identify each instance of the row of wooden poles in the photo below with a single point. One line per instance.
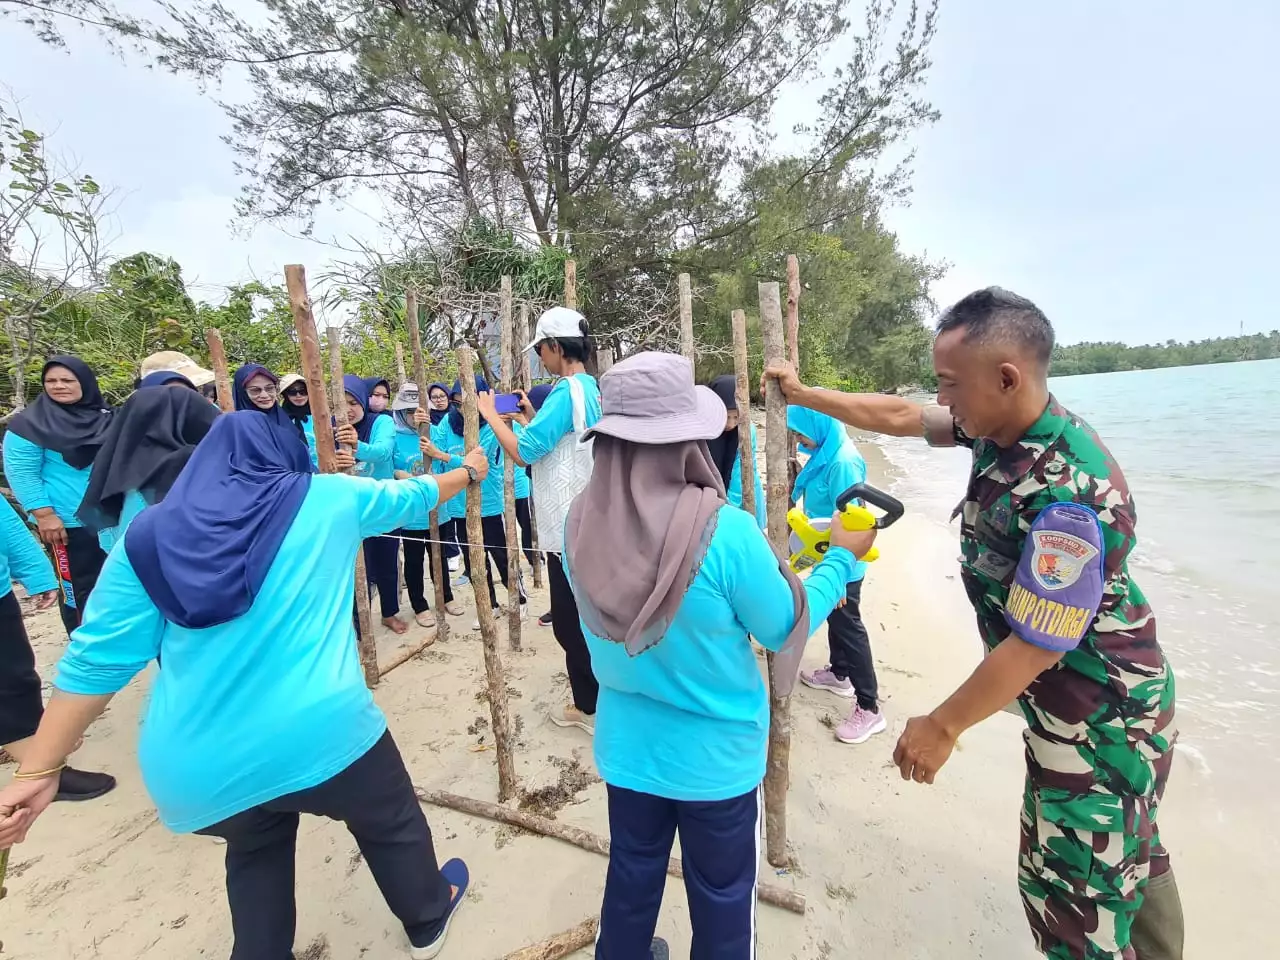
(328, 408)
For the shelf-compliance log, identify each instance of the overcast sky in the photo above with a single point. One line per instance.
(1114, 162)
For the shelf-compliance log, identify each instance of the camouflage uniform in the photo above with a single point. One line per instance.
(1101, 729)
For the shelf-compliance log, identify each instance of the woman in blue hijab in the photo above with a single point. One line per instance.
(834, 465)
(241, 579)
(372, 438)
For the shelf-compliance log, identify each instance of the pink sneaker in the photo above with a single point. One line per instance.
(824, 679)
(861, 726)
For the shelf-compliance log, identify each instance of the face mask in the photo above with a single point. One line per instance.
(377, 404)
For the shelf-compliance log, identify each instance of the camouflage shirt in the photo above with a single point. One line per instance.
(1101, 720)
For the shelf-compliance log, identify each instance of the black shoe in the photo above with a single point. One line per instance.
(81, 785)
(545, 619)
(659, 950)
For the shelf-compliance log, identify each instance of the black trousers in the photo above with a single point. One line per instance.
(495, 538)
(85, 556)
(567, 627)
(416, 551)
(380, 568)
(20, 703)
(375, 799)
(457, 530)
(526, 528)
(851, 648)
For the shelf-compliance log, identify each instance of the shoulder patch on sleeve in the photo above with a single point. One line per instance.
(1058, 587)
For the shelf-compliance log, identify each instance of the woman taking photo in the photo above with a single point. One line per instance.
(561, 468)
(241, 581)
(372, 438)
(48, 450)
(682, 731)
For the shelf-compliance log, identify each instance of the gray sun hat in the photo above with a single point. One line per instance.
(651, 398)
(406, 396)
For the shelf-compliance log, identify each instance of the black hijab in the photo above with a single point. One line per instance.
(724, 448)
(149, 442)
(436, 415)
(73, 430)
(275, 413)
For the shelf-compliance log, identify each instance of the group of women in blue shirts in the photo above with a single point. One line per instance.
(235, 576)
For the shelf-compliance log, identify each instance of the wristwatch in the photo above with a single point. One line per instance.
(473, 475)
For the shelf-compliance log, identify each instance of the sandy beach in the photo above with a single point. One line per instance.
(889, 869)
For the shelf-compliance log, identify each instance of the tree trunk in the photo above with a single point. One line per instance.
(367, 642)
(571, 284)
(498, 710)
(218, 358)
(777, 499)
(686, 320)
(742, 395)
(438, 569)
(400, 360)
(19, 371)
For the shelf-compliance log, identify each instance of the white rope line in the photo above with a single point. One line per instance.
(487, 546)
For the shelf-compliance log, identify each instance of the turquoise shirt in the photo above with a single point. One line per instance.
(735, 484)
(521, 473)
(407, 455)
(555, 418)
(41, 478)
(845, 469)
(134, 504)
(447, 441)
(266, 704)
(688, 719)
(22, 558)
(376, 458)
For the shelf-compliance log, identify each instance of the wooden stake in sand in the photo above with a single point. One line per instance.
(777, 498)
(571, 284)
(562, 944)
(218, 357)
(438, 570)
(366, 642)
(793, 351)
(686, 320)
(508, 361)
(524, 368)
(498, 710)
(400, 374)
(742, 395)
(765, 892)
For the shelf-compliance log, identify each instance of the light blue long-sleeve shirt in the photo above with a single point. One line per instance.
(688, 719)
(555, 418)
(376, 457)
(266, 704)
(134, 503)
(844, 470)
(446, 441)
(41, 478)
(735, 483)
(22, 558)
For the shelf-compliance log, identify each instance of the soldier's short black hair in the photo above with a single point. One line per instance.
(996, 315)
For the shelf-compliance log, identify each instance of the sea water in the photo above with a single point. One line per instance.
(1200, 448)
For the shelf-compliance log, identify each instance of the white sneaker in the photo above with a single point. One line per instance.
(475, 624)
(455, 563)
(524, 609)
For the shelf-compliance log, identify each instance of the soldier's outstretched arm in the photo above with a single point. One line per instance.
(876, 412)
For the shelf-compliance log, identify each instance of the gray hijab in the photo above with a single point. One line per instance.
(636, 535)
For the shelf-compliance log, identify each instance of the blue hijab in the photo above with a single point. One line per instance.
(203, 552)
(162, 378)
(455, 412)
(275, 413)
(359, 389)
(538, 395)
(828, 435)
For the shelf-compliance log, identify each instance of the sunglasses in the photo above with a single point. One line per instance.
(296, 392)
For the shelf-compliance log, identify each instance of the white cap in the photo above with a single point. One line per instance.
(557, 322)
(176, 362)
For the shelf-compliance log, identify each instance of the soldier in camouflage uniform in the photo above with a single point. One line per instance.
(1047, 527)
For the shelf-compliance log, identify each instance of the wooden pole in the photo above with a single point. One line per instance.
(404, 656)
(742, 395)
(438, 570)
(400, 374)
(525, 363)
(686, 320)
(498, 710)
(295, 278)
(585, 839)
(19, 375)
(562, 944)
(218, 357)
(571, 284)
(366, 642)
(776, 774)
(793, 352)
(509, 473)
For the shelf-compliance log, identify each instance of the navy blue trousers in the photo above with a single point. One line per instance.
(720, 846)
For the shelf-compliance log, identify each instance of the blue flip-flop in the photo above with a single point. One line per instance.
(455, 874)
